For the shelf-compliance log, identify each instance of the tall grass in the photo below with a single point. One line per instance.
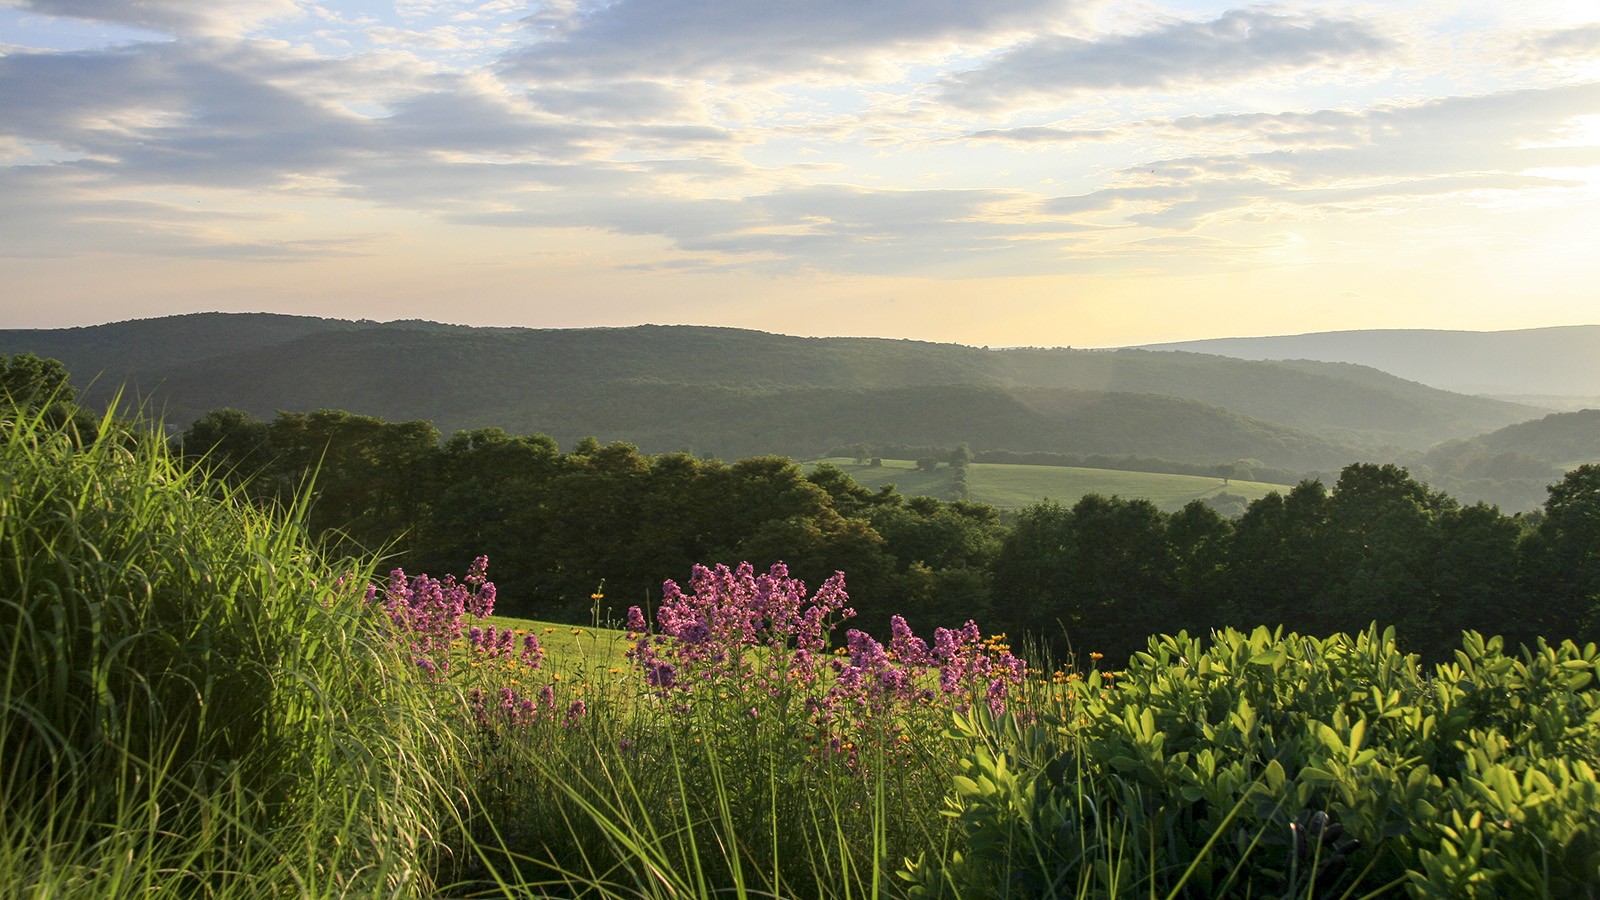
(192, 704)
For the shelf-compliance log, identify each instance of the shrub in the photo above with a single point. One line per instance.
(1285, 765)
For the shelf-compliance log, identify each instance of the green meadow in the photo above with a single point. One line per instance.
(1015, 486)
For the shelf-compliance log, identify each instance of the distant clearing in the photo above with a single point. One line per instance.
(1015, 486)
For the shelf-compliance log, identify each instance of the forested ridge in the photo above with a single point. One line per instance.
(741, 393)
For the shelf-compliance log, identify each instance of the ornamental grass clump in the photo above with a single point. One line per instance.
(194, 702)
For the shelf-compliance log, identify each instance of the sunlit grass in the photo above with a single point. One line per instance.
(195, 703)
(1012, 486)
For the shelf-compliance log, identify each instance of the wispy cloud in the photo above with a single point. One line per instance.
(1239, 45)
(1331, 158)
(1563, 43)
(208, 18)
(757, 41)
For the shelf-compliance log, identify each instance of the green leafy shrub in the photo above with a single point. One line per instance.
(1282, 765)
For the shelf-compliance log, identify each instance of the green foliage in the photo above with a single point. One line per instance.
(192, 705)
(33, 386)
(1562, 556)
(1268, 764)
(1099, 572)
(29, 382)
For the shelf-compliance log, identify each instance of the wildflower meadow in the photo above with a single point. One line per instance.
(202, 701)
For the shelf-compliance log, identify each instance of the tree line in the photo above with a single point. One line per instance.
(1100, 574)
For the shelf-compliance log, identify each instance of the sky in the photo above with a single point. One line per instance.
(988, 172)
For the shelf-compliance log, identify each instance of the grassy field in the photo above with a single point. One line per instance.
(571, 648)
(1016, 486)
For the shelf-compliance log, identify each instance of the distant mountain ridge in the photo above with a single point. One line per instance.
(1562, 439)
(1548, 363)
(735, 392)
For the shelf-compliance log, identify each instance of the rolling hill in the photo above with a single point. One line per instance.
(1565, 440)
(1556, 366)
(734, 392)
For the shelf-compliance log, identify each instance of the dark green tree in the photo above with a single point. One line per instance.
(1382, 540)
(29, 382)
(1475, 581)
(370, 478)
(1100, 572)
(489, 493)
(36, 386)
(1199, 537)
(1561, 560)
(231, 443)
(1278, 563)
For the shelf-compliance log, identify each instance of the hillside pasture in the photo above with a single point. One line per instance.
(1009, 486)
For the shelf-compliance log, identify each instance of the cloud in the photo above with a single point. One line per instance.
(623, 101)
(249, 115)
(835, 228)
(173, 147)
(1239, 45)
(1042, 134)
(1344, 160)
(752, 40)
(190, 17)
(56, 211)
(1565, 43)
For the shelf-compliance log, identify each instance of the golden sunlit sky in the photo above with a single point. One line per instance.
(1007, 172)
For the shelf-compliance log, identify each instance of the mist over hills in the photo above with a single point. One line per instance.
(1552, 366)
(734, 393)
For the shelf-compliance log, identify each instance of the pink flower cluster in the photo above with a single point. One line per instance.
(710, 630)
(490, 643)
(429, 612)
(708, 639)
(430, 616)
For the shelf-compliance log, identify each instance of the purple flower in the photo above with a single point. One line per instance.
(532, 653)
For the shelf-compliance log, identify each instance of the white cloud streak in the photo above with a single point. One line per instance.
(758, 40)
(206, 18)
(1240, 45)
